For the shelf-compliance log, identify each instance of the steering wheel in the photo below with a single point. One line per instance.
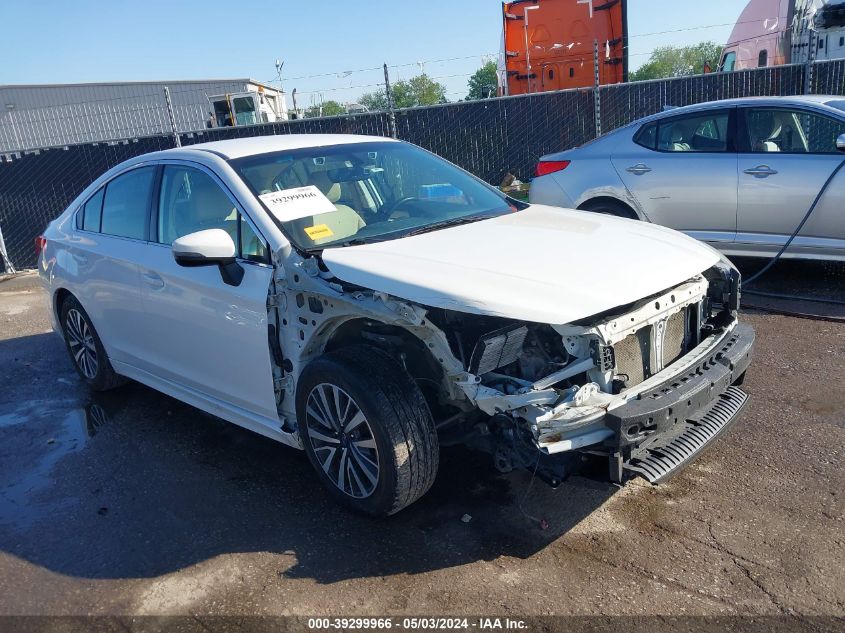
(389, 210)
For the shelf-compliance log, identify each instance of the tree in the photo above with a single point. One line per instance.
(421, 90)
(329, 108)
(483, 82)
(678, 61)
(374, 101)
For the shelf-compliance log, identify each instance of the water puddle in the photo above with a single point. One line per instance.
(36, 437)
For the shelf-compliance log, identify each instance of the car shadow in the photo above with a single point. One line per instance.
(807, 288)
(132, 483)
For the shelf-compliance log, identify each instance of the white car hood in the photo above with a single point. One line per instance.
(543, 264)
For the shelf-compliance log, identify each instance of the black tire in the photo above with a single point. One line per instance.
(610, 207)
(75, 322)
(397, 423)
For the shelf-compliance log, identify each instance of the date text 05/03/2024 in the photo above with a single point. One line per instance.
(418, 623)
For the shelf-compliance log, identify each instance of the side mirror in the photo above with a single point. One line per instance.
(840, 143)
(212, 247)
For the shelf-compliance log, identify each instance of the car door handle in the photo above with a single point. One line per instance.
(761, 171)
(80, 259)
(153, 280)
(639, 169)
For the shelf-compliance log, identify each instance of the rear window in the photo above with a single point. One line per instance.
(647, 136)
(839, 105)
(126, 207)
(91, 212)
(705, 132)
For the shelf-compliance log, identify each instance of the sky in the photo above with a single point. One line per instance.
(320, 41)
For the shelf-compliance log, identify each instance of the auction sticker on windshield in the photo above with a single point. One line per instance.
(318, 232)
(300, 202)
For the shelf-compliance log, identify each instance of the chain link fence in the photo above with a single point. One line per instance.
(828, 78)
(623, 103)
(492, 137)
(489, 138)
(38, 186)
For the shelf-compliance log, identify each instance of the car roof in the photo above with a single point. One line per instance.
(773, 101)
(252, 145)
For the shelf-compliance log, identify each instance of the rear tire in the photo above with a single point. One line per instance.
(85, 348)
(367, 430)
(610, 207)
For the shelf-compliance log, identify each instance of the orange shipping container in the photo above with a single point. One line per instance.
(549, 44)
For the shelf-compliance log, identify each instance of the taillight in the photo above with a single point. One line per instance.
(550, 166)
(40, 244)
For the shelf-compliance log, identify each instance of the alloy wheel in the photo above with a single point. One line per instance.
(342, 440)
(80, 339)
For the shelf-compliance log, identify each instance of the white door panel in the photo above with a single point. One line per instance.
(108, 288)
(206, 334)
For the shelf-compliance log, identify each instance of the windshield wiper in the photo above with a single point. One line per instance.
(446, 223)
(358, 241)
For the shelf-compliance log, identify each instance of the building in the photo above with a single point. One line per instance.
(35, 116)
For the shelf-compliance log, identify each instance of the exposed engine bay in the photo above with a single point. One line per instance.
(544, 386)
(529, 393)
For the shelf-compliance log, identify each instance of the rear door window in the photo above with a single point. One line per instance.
(706, 132)
(126, 205)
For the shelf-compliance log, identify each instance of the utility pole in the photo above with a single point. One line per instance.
(812, 44)
(7, 263)
(391, 115)
(527, 49)
(597, 87)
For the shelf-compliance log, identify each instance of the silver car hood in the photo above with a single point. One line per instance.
(543, 264)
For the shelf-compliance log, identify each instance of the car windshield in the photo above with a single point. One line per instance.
(357, 193)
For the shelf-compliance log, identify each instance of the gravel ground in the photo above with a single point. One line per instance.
(132, 503)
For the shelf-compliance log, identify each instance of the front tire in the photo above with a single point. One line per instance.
(367, 430)
(86, 349)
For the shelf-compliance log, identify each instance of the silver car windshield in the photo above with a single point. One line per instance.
(351, 194)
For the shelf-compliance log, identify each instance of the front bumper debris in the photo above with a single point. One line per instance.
(666, 427)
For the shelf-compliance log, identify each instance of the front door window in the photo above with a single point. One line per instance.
(776, 130)
(190, 201)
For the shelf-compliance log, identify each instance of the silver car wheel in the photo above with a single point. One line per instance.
(342, 440)
(81, 342)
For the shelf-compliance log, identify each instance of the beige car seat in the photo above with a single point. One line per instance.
(677, 142)
(765, 128)
(344, 222)
(207, 208)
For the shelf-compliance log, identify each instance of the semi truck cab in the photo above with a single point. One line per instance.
(247, 108)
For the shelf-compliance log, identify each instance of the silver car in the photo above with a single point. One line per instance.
(739, 174)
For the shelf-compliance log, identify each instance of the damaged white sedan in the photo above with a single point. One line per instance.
(368, 302)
